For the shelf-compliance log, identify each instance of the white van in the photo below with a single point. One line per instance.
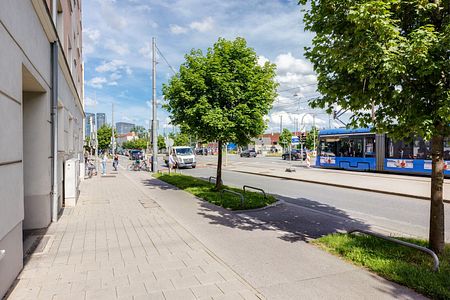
(184, 157)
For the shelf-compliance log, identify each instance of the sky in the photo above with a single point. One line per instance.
(117, 38)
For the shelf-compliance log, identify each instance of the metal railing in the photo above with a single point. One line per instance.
(215, 179)
(403, 243)
(234, 193)
(254, 188)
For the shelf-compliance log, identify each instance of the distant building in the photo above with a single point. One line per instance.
(121, 138)
(101, 119)
(88, 129)
(124, 128)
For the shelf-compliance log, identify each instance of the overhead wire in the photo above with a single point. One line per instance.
(164, 58)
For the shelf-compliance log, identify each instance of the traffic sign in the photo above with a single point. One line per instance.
(295, 140)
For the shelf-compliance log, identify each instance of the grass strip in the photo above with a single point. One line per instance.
(397, 263)
(205, 190)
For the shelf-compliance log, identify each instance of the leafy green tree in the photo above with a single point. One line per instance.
(391, 56)
(140, 131)
(104, 134)
(285, 138)
(135, 144)
(161, 142)
(223, 95)
(182, 139)
(312, 138)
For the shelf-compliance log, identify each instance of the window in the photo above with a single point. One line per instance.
(421, 149)
(399, 149)
(328, 146)
(447, 148)
(370, 146)
(351, 147)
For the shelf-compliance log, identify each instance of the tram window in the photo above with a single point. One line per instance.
(328, 146)
(422, 149)
(351, 147)
(399, 149)
(447, 148)
(370, 147)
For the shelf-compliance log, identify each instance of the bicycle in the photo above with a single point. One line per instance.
(90, 169)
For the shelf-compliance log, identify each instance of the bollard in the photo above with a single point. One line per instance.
(308, 160)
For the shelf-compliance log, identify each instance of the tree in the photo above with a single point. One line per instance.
(222, 96)
(181, 139)
(161, 142)
(140, 131)
(391, 56)
(104, 134)
(312, 138)
(285, 138)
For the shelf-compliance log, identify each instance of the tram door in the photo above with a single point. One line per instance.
(380, 142)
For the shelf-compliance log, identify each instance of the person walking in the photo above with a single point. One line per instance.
(104, 160)
(116, 162)
(172, 162)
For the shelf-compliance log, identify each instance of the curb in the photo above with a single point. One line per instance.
(338, 185)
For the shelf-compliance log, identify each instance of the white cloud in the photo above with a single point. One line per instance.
(97, 82)
(176, 29)
(262, 60)
(111, 66)
(206, 24)
(120, 49)
(115, 76)
(287, 63)
(90, 102)
(91, 38)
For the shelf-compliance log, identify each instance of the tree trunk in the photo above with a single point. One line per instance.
(436, 236)
(219, 168)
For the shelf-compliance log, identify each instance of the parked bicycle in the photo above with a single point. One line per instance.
(90, 169)
(138, 165)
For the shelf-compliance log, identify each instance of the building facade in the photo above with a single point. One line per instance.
(89, 122)
(124, 128)
(101, 119)
(41, 114)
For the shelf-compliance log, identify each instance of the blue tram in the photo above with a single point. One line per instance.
(361, 149)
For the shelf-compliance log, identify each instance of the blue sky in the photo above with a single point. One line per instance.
(117, 51)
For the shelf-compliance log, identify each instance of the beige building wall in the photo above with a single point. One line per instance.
(26, 33)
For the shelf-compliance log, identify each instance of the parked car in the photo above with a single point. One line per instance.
(201, 151)
(136, 154)
(248, 153)
(295, 155)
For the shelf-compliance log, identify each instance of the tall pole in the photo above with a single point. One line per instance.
(154, 120)
(281, 124)
(314, 133)
(113, 138)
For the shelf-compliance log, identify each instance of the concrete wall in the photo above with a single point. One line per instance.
(25, 135)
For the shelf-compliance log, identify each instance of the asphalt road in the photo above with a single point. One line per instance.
(341, 208)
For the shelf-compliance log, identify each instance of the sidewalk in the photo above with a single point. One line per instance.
(118, 243)
(270, 248)
(410, 186)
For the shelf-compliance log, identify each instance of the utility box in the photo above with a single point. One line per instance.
(71, 181)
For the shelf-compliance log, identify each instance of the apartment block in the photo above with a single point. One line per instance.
(41, 115)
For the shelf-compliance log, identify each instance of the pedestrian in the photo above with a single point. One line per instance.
(172, 162)
(116, 162)
(104, 160)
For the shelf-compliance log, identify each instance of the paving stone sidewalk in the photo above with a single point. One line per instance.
(119, 244)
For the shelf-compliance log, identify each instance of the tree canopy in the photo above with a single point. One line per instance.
(285, 138)
(391, 57)
(222, 95)
(389, 54)
(104, 134)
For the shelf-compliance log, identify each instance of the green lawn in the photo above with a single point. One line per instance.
(397, 263)
(205, 190)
